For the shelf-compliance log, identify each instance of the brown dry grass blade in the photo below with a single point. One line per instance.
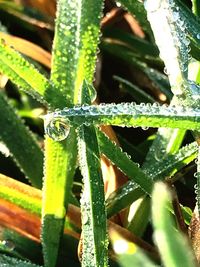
(27, 48)
(28, 224)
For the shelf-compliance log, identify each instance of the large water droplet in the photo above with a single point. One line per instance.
(8, 244)
(56, 128)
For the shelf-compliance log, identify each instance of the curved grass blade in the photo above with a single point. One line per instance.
(129, 115)
(21, 143)
(159, 79)
(192, 25)
(94, 225)
(172, 245)
(28, 48)
(165, 17)
(130, 192)
(123, 162)
(22, 73)
(12, 262)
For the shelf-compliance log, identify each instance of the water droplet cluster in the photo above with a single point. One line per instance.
(124, 115)
(75, 45)
(164, 17)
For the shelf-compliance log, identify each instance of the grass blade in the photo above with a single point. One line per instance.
(73, 60)
(123, 162)
(18, 138)
(75, 45)
(56, 192)
(94, 225)
(137, 9)
(130, 192)
(129, 115)
(172, 245)
(12, 262)
(138, 94)
(22, 73)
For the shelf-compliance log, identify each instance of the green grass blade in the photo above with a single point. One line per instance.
(123, 162)
(159, 79)
(21, 143)
(92, 201)
(128, 254)
(196, 7)
(172, 245)
(94, 225)
(74, 56)
(129, 115)
(138, 94)
(130, 192)
(12, 262)
(75, 45)
(163, 19)
(26, 76)
(192, 24)
(137, 9)
(59, 170)
(137, 44)
(138, 223)
(168, 141)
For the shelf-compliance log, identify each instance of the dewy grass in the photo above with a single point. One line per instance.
(74, 138)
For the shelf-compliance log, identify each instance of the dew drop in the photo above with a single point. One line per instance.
(198, 36)
(8, 244)
(56, 129)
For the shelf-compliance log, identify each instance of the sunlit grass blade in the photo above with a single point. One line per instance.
(192, 25)
(128, 254)
(73, 60)
(176, 53)
(94, 242)
(56, 192)
(27, 77)
(75, 45)
(196, 7)
(115, 154)
(130, 192)
(138, 223)
(129, 115)
(21, 143)
(172, 245)
(28, 48)
(168, 141)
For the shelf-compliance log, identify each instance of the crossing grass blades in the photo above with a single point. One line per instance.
(49, 219)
